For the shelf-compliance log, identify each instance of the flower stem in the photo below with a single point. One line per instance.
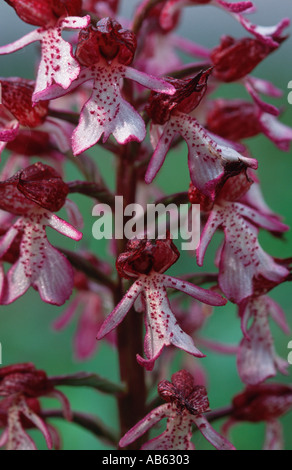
(130, 331)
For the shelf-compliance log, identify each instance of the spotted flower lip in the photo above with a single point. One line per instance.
(139, 262)
(57, 64)
(17, 415)
(39, 265)
(257, 359)
(211, 161)
(185, 406)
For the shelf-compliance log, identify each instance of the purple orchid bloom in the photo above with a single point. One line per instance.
(21, 386)
(105, 52)
(34, 194)
(244, 266)
(21, 119)
(186, 403)
(146, 262)
(265, 402)
(211, 160)
(57, 65)
(257, 359)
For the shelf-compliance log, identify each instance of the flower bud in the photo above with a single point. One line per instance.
(235, 58)
(17, 98)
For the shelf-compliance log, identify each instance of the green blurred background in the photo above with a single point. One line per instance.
(26, 332)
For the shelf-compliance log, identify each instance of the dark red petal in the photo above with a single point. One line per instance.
(66, 7)
(44, 186)
(17, 97)
(35, 12)
(189, 93)
(38, 185)
(23, 379)
(12, 200)
(262, 402)
(233, 119)
(144, 256)
(183, 381)
(197, 197)
(30, 143)
(235, 187)
(167, 390)
(15, 368)
(235, 58)
(197, 401)
(108, 40)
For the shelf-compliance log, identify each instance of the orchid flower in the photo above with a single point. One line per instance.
(234, 60)
(18, 115)
(239, 119)
(185, 406)
(268, 35)
(145, 262)
(105, 52)
(21, 386)
(244, 267)
(257, 359)
(57, 64)
(265, 402)
(34, 194)
(211, 161)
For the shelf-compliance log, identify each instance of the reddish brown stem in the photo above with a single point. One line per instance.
(130, 331)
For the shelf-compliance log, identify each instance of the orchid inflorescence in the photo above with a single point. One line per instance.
(122, 85)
